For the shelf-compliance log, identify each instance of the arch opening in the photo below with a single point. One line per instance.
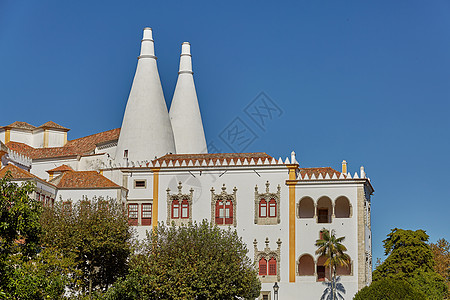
(306, 265)
(342, 207)
(324, 209)
(306, 208)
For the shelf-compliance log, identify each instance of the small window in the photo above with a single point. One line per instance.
(262, 266)
(272, 266)
(125, 153)
(133, 214)
(140, 184)
(262, 208)
(224, 212)
(175, 209)
(146, 214)
(272, 208)
(185, 209)
(265, 297)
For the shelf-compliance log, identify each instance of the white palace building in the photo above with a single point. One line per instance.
(158, 164)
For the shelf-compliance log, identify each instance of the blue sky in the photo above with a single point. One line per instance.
(363, 81)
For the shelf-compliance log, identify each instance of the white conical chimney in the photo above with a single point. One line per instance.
(146, 130)
(184, 111)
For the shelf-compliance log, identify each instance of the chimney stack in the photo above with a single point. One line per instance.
(184, 111)
(146, 130)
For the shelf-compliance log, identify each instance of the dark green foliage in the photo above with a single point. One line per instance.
(197, 261)
(411, 260)
(43, 277)
(389, 289)
(96, 233)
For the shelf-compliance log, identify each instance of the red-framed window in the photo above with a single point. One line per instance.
(185, 209)
(320, 273)
(224, 212)
(133, 210)
(262, 208)
(272, 266)
(38, 196)
(272, 208)
(262, 266)
(47, 201)
(175, 209)
(43, 199)
(146, 216)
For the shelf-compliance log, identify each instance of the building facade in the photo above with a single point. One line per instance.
(158, 164)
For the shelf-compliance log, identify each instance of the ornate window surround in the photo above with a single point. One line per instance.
(267, 253)
(223, 196)
(180, 197)
(267, 196)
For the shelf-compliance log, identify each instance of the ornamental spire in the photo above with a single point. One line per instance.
(184, 111)
(146, 129)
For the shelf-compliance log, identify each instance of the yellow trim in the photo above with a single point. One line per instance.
(45, 138)
(51, 175)
(155, 198)
(292, 176)
(7, 136)
(65, 138)
(101, 172)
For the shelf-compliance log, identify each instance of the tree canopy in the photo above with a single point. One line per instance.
(96, 233)
(195, 261)
(389, 289)
(441, 255)
(410, 259)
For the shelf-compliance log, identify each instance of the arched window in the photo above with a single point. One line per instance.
(344, 270)
(342, 207)
(272, 208)
(272, 266)
(324, 208)
(262, 208)
(224, 212)
(175, 209)
(262, 266)
(185, 209)
(306, 208)
(306, 265)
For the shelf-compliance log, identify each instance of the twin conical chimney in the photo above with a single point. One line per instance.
(184, 111)
(146, 129)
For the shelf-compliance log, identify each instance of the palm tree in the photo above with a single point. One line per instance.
(332, 248)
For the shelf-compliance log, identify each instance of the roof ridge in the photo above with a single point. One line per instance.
(83, 137)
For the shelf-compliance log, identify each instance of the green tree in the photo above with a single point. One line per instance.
(332, 248)
(45, 276)
(441, 255)
(97, 234)
(389, 289)
(195, 261)
(19, 223)
(410, 259)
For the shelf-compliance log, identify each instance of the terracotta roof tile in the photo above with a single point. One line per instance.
(83, 179)
(316, 171)
(16, 172)
(82, 146)
(61, 168)
(213, 156)
(88, 143)
(21, 125)
(51, 124)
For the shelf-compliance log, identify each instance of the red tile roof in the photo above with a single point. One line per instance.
(16, 172)
(214, 157)
(86, 145)
(82, 146)
(21, 125)
(36, 153)
(316, 171)
(51, 124)
(82, 180)
(61, 168)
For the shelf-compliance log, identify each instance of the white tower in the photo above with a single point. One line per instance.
(146, 130)
(184, 111)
